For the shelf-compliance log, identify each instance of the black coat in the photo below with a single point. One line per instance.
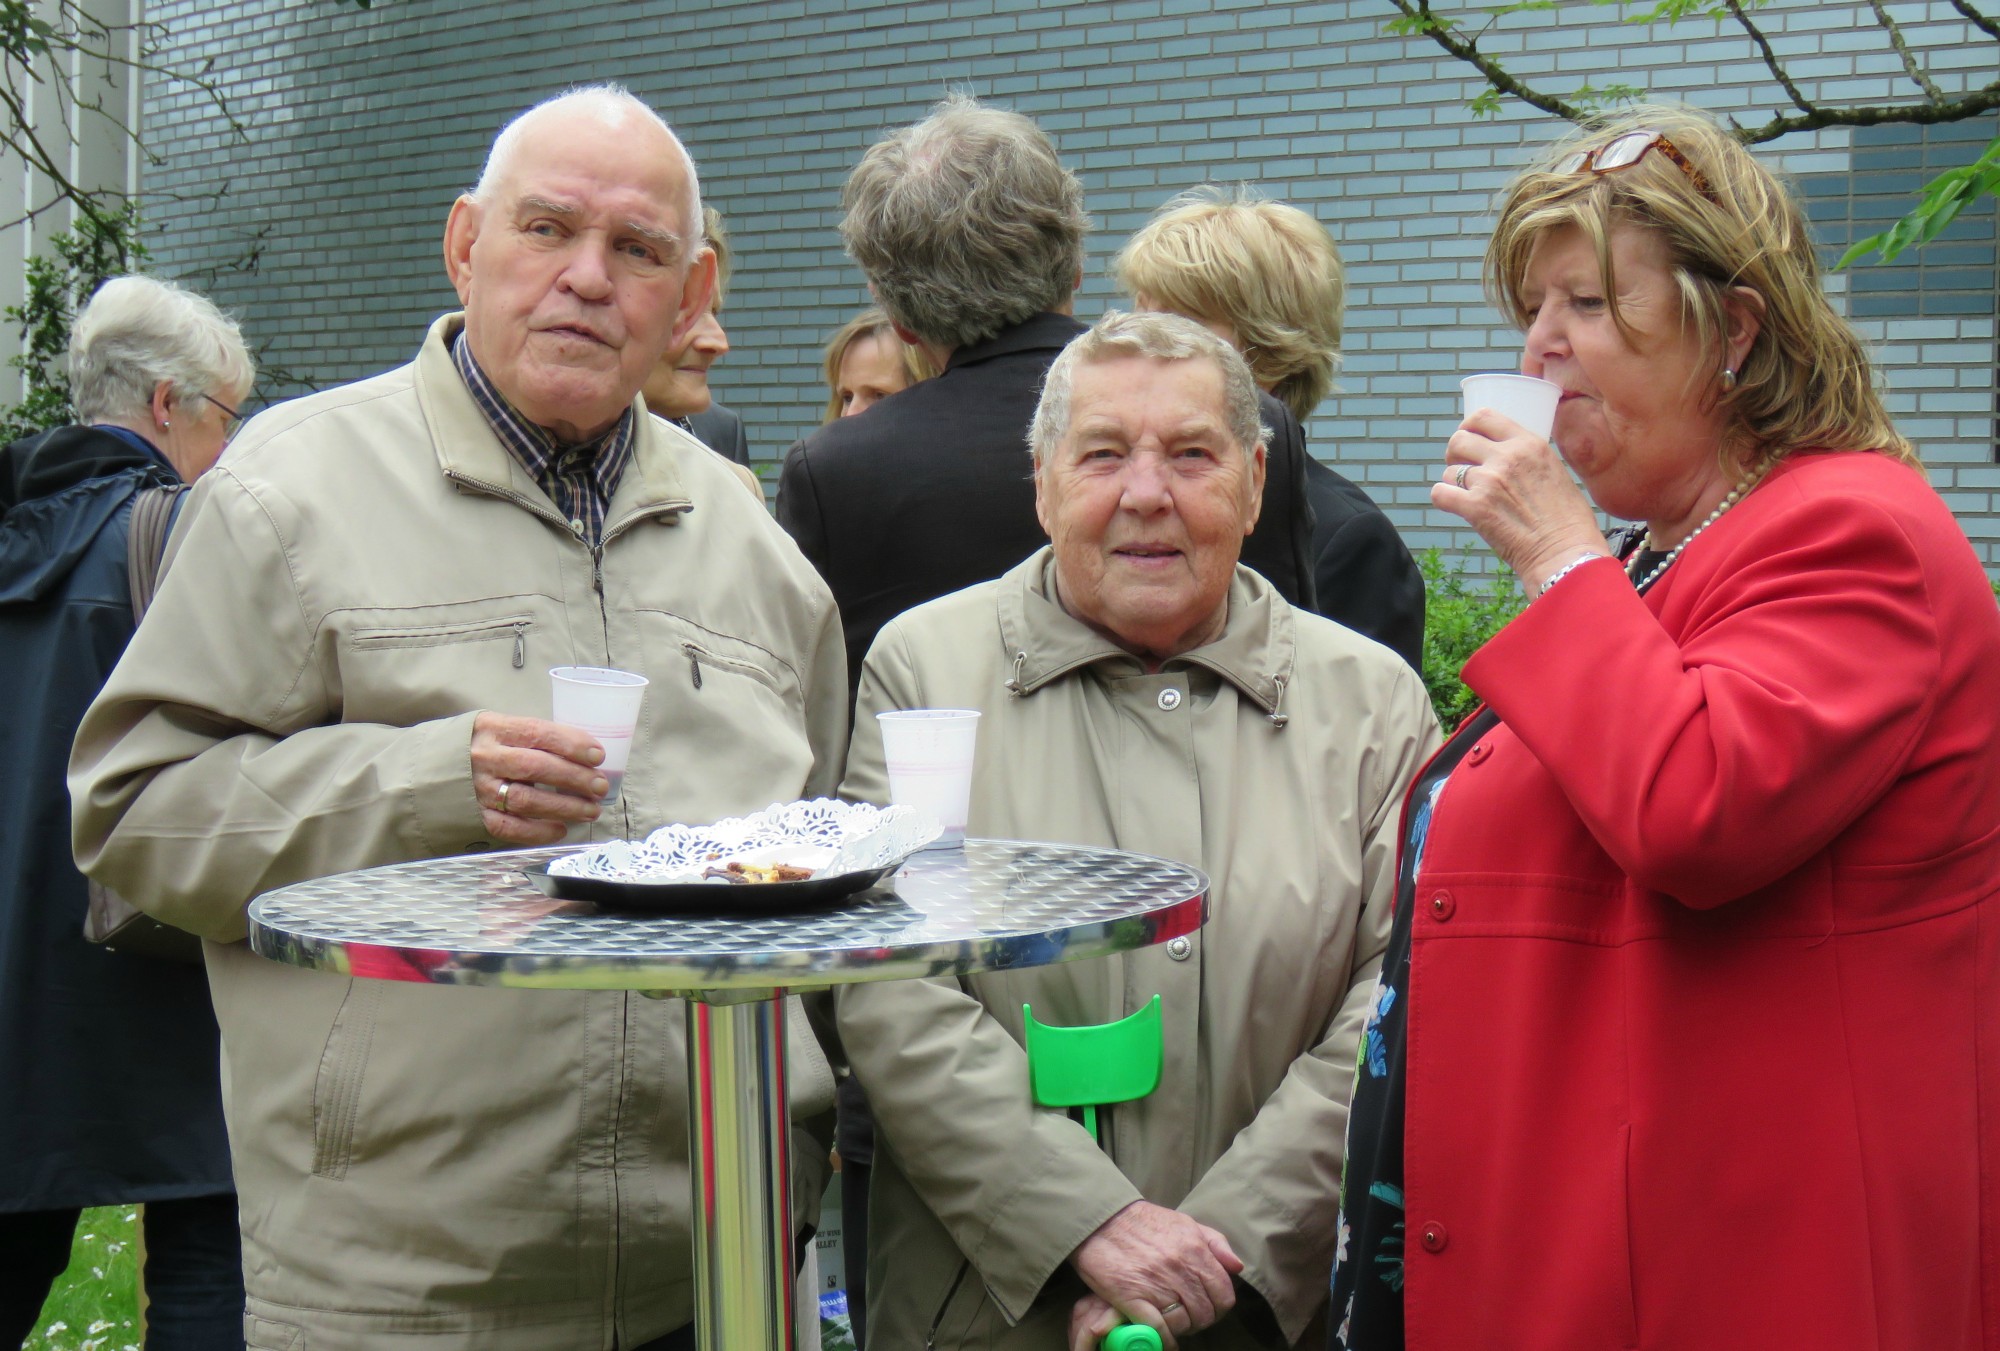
(1363, 575)
(109, 1073)
(931, 490)
(721, 430)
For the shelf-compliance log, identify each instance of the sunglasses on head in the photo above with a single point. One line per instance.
(1622, 152)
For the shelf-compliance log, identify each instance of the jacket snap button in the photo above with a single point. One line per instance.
(1434, 1237)
(1179, 949)
(1170, 700)
(1479, 752)
(1442, 905)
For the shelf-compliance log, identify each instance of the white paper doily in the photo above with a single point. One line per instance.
(827, 835)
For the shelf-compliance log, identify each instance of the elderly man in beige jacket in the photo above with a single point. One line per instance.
(1140, 689)
(346, 667)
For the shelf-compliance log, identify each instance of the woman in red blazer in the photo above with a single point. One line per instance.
(1688, 1035)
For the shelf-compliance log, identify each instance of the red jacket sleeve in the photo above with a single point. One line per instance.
(1718, 732)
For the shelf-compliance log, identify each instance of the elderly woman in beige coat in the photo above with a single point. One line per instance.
(1141, 690)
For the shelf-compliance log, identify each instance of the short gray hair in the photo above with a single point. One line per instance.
(137, 331)
(610, 103)
(965, 223)
(1162, 337)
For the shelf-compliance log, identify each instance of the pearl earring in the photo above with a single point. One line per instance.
(1728, 379)
(164, 424)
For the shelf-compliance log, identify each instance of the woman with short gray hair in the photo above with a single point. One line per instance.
(163, 363)
(109, 1074)
(1140, 689)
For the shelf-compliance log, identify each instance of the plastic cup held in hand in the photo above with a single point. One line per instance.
(1524, 398)
(929, 753)
(605, 703)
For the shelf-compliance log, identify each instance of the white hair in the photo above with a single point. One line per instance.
(1162, 337)
(137, 331)
(610, 104)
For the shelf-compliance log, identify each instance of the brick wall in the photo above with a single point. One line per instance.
(359, 127)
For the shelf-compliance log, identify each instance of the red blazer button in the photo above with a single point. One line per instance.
(1434, 1238)
(1442, 905)
(1478, 753)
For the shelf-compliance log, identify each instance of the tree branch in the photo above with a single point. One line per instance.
(1977, 19)
(1467, 50)
(1784, 80)
(1910, 66)
(1922, 114)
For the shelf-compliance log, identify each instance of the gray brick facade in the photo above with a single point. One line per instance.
(320, 224)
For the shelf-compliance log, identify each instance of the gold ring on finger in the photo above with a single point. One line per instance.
(504, 786)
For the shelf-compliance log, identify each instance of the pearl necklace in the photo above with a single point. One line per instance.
(1736, 495)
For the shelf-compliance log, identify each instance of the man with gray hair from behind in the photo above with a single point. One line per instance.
(347, 667)
(970, 232)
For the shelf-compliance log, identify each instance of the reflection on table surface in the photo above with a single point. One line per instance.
(476, 919)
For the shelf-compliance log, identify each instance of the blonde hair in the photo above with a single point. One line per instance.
(1805, 381)
(870, 323)
(1269, 271)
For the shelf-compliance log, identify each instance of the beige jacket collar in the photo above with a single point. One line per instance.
(469, 454)
(1255, 653)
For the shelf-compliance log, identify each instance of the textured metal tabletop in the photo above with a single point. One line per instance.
(476, 920)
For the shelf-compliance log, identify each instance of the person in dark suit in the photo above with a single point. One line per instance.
(1267, 278)
(677, 390)
(970, 232)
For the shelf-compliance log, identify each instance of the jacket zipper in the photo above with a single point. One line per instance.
(937, 1320)
(694, 662)
(520, 646)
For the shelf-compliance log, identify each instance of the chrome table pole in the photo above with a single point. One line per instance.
(739, 1156)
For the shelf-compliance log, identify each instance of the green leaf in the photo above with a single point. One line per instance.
(1417, 25)
(1486, 103)
(1944, 197)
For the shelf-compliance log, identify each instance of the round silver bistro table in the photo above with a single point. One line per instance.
(476, 920)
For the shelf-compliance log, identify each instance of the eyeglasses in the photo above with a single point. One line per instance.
(233, 419)
(1622, 152)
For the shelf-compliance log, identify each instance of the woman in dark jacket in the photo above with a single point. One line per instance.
(109, 1086)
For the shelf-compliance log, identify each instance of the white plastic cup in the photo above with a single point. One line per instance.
(1524, 398)
(930, 755)
(605, 703)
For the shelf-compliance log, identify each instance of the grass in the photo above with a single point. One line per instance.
(94, 1306)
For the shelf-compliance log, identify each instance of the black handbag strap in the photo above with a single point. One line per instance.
(152, 520)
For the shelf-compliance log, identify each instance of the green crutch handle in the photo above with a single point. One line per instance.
(1131, 1337)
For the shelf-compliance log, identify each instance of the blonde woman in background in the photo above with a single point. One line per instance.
(1267, 279)
(866, 362)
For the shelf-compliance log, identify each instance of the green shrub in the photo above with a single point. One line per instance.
(1460, 614)
(56, 285)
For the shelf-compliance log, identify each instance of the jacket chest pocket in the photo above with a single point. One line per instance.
(407, 665)
(732, 707)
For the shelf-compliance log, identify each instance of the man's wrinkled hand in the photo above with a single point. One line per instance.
(1158, 1267)
(534, 778)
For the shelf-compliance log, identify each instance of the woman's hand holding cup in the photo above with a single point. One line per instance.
(1507, 482)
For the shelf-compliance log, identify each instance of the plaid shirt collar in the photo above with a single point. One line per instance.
(579, 479)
